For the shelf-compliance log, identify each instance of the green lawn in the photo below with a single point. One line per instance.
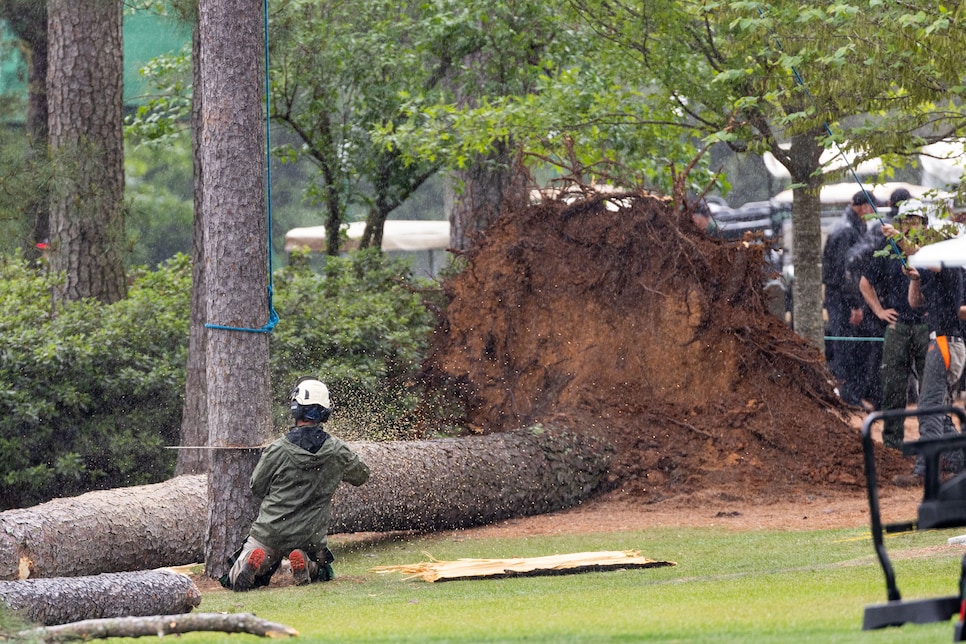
(727, 586)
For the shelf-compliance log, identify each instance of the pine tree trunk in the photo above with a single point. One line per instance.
(236, 281)
(415, 485)
(194, 416)
(63, 600)
(454, 483)
(136, 528)
(28, 20)
(85, 95)
(488, 186)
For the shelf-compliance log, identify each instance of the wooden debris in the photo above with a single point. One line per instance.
(577, 562)
(159, 625)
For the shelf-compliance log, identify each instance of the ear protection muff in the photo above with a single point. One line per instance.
(314, 413)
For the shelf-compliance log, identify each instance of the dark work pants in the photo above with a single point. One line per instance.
(903, 353)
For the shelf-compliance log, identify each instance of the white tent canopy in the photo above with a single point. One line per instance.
(841, 193)
(831, 160)
(951, 252)
(397, 234)
(943, 162)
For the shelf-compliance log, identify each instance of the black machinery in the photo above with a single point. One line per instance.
(943, 506)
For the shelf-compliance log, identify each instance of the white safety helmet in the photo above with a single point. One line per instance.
(310, 400)
(913, 208)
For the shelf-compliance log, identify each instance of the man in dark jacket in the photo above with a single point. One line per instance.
(296, 477)
(843, 301)
(886, 290)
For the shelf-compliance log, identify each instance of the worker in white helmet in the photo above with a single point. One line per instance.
(296, 477)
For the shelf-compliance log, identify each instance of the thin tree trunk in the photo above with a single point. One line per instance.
(70, 599)
(28, 20)
(85, 94)
(235, 238)
(194, 418)
(803, 160)
(415, 485)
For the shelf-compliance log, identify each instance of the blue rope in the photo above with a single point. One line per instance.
(272, 315)
(848, 164)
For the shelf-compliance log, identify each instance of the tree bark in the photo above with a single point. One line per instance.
(70, 599)
(236, 281)
(488, 186)
(85, 99)
(136, 528)
(159, 625)
(455, 483)
(803, 161)
(415, 485)
(194, 416)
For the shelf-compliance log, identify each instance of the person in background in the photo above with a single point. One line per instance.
(701, 216)
(939, 292)
(296, 477)
(843, 301)
(885, 289)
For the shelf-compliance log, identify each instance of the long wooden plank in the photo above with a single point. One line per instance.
(572, 563)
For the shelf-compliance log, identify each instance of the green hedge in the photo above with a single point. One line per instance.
(91, 393)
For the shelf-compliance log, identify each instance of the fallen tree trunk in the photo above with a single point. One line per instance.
(136, 528)
(70, 599)
(455, 483)
(415, 485)
(159, 625)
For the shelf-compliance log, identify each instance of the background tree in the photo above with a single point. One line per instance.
(232, 146)
(85, 97)
(733, 68)
(331, 114)
(194, 419)
(530, 86)
(28, 21)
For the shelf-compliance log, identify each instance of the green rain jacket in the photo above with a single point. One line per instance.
(296, 485)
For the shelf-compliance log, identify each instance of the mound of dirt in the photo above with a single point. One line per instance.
(615, 315)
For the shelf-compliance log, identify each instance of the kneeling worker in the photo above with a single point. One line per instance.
(296, 477)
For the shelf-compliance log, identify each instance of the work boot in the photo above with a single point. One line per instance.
(304, 569)
(246, 578)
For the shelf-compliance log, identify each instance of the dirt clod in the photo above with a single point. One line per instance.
(615, 315)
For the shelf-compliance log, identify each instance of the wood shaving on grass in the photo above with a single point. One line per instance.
(573, 563)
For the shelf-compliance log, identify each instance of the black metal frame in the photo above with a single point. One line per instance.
(943, 506)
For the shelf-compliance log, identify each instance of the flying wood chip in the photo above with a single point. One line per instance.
(568, 564)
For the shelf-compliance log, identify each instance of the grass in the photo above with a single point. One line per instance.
(727, 587)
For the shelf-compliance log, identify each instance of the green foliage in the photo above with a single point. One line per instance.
(166, 113)
(361, 325)
(160, 201)
(23, 189)
(90, 393)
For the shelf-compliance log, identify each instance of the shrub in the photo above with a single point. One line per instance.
(361, 325)
(91, 393)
